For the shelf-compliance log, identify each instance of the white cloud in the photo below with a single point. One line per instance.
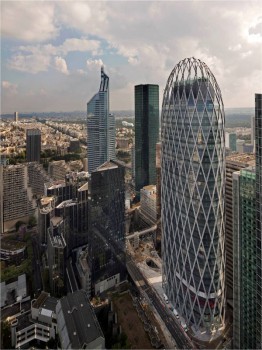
(9, 87)
(80, 45)
(61, 65)
(28, 21)
(94, 64)
(32, 63)
(143, 41)
(87, 17)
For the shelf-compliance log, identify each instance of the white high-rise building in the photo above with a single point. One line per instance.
(100, 127)
(192, 197)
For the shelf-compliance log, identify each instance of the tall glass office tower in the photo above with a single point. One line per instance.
(100, 127)
(146, 134)
(192, 195)
(258, 147)
(33, 145)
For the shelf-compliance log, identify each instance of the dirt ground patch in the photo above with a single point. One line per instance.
(131, 323)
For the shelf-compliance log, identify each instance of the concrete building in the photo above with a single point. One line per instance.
(107, 226)
(77, 324)
(146, 134)
(248, 148)
(122, 142)
(33, 145)
(37, 177)
(148, 212)
(84, 271)
(234, 163)
(41, 325)
(17, 198)
(240, 146)
(74, 146)
(58, 169)
(13, 289)
(244, 257)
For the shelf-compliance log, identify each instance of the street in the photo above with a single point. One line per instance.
(181, 339)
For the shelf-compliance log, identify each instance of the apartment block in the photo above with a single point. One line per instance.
(37, 177)
(17, 198)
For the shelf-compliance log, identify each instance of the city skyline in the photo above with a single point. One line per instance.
(52, 51)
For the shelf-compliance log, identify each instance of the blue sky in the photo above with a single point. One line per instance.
(51, 52)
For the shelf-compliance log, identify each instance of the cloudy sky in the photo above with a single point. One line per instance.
(52, 51)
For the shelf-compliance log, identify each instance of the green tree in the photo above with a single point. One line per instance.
(18, 224)
(32, 221)
(5, 336)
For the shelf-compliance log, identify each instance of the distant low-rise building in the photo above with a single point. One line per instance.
(231, 141)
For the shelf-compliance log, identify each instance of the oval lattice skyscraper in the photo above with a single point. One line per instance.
(193, 188)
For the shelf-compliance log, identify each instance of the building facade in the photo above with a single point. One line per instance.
(234, 162)
(146, 134)
(231, 141)
(33, 145)
(192, 196)
(17, 196)
(107, 226)
(258, 147)
(100, 127)
(244, 257)
(148, 212)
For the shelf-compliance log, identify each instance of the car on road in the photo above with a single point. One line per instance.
(176, 313)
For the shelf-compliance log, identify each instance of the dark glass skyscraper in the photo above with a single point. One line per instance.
(100, 127)
(244, 257)
(192, 195)
(146, 134)
(107, 226)
(33, 145)
(258, 145)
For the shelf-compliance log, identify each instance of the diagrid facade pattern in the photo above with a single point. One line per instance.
(192, 195)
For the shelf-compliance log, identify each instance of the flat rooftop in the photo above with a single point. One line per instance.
(247, 158)
(11, 245)
(56, 220)
(106, 166)
(46, 200)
